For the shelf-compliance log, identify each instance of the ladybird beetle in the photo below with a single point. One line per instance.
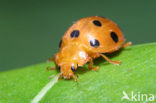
(85, 40)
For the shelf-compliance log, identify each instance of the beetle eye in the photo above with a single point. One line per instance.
(59, 68)
(73, 68)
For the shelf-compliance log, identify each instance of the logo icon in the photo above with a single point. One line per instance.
(138, 96)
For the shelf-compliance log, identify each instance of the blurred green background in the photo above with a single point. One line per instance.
(30, 31)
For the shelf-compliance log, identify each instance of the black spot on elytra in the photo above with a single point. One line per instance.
(114, 37)
(73, 68)
(94, 43)
(75, 34)
(97, 23)
(60, 43)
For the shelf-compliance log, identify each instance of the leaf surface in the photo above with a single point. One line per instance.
(137, 73)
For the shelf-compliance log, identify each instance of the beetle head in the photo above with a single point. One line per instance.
(67, 71)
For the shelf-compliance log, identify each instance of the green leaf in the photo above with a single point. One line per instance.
(136, 74)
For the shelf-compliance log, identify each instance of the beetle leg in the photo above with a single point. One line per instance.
(127, 44)
(51, 59)
(75, 78)
(50, 68)
(60, 76)
(110, 61)
(90, 66)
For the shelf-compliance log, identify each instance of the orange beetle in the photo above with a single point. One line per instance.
(86, 40)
